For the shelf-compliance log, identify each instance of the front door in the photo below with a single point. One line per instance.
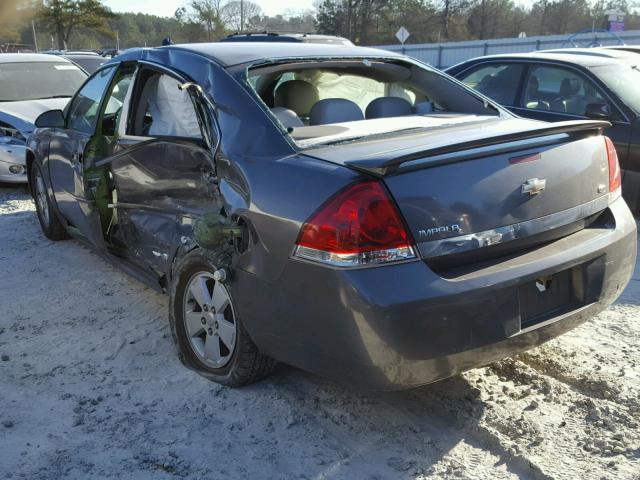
(69, 147)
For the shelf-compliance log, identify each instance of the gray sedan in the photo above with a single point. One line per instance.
(345, 210)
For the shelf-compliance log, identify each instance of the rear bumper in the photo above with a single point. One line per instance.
(12, 156)
(403, 326)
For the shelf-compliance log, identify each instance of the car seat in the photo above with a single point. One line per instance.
(388, 107)
(296, 95)
(334, 110)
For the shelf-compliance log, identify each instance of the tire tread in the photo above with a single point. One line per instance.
(251, 365)
(55, 230)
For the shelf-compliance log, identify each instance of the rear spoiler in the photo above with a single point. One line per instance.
(384, 167)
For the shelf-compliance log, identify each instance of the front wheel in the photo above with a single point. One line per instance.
(208, 332)
(51, 225)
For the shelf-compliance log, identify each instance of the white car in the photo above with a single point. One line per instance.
(29, 85)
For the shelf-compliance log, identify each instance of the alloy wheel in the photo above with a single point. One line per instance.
(209, 320)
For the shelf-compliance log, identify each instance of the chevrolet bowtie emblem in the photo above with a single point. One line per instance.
(534, 186)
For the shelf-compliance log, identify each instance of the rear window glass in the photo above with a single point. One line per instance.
(343, 98)
(39, 80)
(358, 89)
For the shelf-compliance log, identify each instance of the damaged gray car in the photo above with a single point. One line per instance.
(348, 211)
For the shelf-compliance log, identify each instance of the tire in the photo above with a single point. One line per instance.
(51, 225)
(200, 344)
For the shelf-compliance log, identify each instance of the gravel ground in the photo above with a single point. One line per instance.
(90, 388)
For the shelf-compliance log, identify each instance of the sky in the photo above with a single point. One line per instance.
(166, 8)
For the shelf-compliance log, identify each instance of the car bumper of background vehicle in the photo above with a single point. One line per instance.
(12, 164)
(403, 326)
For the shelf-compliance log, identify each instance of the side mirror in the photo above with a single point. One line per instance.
(598, 111)
(51, 119)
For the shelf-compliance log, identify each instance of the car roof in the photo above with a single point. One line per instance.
(235, 53)
(30, 58)
(80, 53)
(586, 57)
(624, 48)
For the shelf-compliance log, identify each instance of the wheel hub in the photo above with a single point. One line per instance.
(209, 320)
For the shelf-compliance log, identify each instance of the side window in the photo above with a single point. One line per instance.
(115, 101)
(85, 106)
(560, 90)
(119, 91)
(499, 81)
(161, 109)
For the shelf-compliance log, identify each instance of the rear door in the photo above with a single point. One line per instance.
(67, 151)
(162, 168)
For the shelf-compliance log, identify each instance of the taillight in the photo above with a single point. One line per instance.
(615, 178)
(359, 225)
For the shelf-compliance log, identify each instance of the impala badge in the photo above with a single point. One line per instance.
(534, 186)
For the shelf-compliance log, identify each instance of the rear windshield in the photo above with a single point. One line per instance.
(37, 80)
(337, 100)
(623, 79)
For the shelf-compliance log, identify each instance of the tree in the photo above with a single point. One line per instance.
(288, 22)
(62, 17)
(14, 17)
(420, 17)
(451, 9)
(495, 18)
(356, 20)
(209, 13)
(236, 15)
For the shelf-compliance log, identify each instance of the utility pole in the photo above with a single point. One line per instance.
(117, 40)
(241, 16)
(35, 40)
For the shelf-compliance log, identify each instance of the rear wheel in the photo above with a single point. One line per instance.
(49, 222)
(208, 332)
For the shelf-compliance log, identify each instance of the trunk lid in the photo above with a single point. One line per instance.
(487, 184)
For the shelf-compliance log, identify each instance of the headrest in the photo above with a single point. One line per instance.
(569, 86)
(287, 117)
(388, 107)
(296, 95)
(334, 110)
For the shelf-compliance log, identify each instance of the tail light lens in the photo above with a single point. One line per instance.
(615, 178)
(360, 225)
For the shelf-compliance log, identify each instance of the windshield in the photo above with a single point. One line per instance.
(37, 80)
(623, 79)
(338, 100)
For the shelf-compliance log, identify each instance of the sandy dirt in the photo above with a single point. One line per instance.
(91, 388)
